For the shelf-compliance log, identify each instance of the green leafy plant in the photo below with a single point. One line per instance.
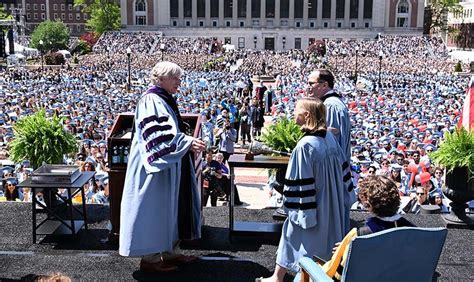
(41, 139)
(283, 135)
(457, 150)
(458, 67)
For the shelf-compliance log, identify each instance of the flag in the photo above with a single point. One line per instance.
(467, 115)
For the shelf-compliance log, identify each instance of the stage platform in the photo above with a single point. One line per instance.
(85, 257)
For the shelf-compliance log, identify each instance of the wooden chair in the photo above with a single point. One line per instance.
(397, 254)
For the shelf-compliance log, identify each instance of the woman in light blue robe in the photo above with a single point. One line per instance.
(313, 192)
(149, 208)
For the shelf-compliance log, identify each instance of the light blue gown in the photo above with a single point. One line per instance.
(149, 208)
(314, 200)
(337, 116)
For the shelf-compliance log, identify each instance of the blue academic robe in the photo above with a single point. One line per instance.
(337, 116)
(149, 209)
(314, 201)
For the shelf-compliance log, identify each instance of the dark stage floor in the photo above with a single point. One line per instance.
(84, 257)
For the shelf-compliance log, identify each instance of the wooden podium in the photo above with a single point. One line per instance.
(119, 137)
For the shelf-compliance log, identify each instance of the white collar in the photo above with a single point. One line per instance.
(390, 218)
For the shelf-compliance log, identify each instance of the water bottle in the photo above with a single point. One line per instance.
(115, 156)
(125, 154)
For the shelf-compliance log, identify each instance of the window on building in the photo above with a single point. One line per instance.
(188, 23)
(227, 40)
(242, 24)
(340, 9)
(325, 24)
(326, 9)
(85, 17)
(43, 7)
(175, 23)
(256, 8)
(214, 8)
(354, 9)
(43, 16)
(353, 24)
(228, 7)
(270, 8)
(284, 23)
(174, 8)
(69, 7)
(242, 8)
(78, 17)
(298, 9)
(256, 22)
(188, 8)
(63, 16)
(298, 24)
(297, 43)
(241, 43)
(63, 7)
(227, 23)
(402, 14)
(35, 7)
(55, 7)
(339, 25)
(311, 24)
(140, 20)
(27, 6)
(284, 9)
(78, 8)
(70, 17)
(201, 23)
(214, 23)
(367, 25)
(140, 6)
(28, 16)
(201, 8)
(368, 5)
(312, 9)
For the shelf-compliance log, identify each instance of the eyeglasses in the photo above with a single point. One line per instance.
(439, 172)
(311, 83)
(10, 185)
(371, 171)
(400, 159)
(419, 194)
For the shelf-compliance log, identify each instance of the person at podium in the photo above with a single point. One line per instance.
(161, 203)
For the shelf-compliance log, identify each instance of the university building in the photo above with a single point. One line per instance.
(30, 13)
(463, 23)
(275, 24)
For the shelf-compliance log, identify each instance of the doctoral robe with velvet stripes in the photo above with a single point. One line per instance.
(314, 200)
(149, 209)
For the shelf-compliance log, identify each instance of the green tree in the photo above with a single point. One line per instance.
(55, 36)
(104, 15)
(4, 16)
(439, 10)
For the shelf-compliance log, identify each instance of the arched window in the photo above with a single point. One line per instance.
(403, 7)
(140, 13)
(403, 14)
(140, 6)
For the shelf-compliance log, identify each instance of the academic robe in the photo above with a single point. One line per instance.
(337, 116)
(314, 200)
(149, 208)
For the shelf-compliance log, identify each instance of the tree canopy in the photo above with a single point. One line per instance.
(439, 10)
(104, 15)
(4, 16)
(55, 36)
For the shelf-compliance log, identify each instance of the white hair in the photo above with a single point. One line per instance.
(164, 69)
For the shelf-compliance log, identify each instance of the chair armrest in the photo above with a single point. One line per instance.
(314, 270)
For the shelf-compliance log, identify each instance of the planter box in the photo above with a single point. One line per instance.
(60, 174)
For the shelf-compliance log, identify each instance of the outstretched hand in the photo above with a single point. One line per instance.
(198, 146)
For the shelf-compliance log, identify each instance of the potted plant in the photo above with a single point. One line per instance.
(40, 139)
(456, 155)
(282, 136)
